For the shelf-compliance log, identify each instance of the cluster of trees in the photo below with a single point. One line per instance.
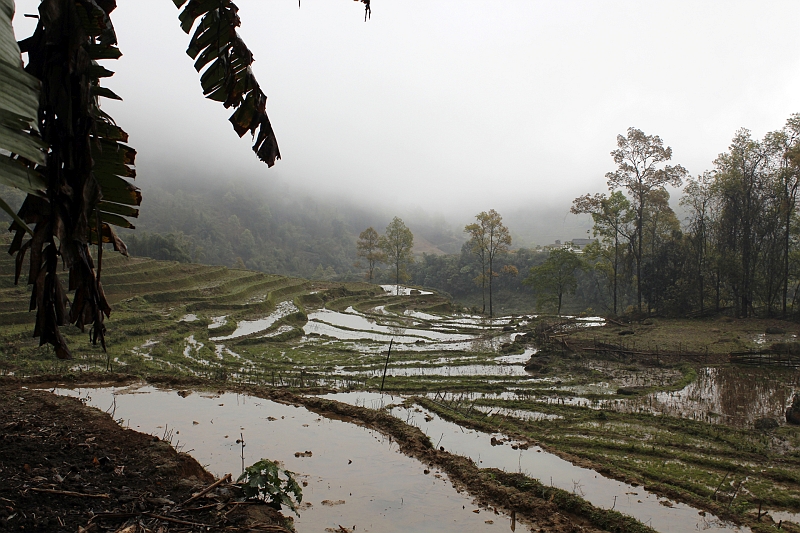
(734, 245)
(738, 247)
(394, 247)
(489, 239)
(461, 275)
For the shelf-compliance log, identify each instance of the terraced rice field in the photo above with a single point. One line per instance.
(242, 326)
(686, 432)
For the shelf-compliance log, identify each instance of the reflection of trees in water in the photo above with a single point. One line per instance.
(740, 395)
(754, 393)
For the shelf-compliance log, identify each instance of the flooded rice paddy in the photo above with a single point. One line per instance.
(461, 357)
(734, 396)
(353, 476)
(248, 327)
(358, 476)
(496, 451)
(718, 395)
(400, 290)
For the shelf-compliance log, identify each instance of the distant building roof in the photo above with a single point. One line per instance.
(582, 243)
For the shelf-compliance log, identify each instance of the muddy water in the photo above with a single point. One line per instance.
(381, 489)
(660, 513)
(731, 395)
(735, 395)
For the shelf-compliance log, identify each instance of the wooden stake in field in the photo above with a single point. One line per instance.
(386, 366)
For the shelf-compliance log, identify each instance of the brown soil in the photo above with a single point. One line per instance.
(68, 467)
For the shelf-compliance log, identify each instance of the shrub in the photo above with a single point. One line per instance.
(268, 482)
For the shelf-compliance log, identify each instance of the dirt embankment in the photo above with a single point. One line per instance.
(67, 467)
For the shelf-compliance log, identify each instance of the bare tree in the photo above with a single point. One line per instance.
(489, 238)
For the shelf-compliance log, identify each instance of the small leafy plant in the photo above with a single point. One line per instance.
(268, 482)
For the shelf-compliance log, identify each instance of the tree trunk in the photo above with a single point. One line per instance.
(490, 289)
(616, 266)
(483, 286)
(702, 308)
(789, 209)
(640, 235)
(397, 277)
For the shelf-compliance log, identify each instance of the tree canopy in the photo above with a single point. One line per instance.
(369, 247)
(640, 170)
(555, 277)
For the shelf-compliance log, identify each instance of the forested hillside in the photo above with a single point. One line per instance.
(273, 230)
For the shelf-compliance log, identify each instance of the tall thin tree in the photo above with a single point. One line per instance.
(493, 238)
(397, 243)
(368, 247)
(639, 159)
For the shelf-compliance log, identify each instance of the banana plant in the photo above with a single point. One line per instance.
(71, 158)
(19, 106)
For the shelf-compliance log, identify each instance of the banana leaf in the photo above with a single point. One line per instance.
(225, 60)
(19, 107)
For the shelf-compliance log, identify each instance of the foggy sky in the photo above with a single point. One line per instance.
(457, 106)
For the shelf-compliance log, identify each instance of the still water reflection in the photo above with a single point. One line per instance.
(381, 489)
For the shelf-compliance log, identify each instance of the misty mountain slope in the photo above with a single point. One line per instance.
(268, 230)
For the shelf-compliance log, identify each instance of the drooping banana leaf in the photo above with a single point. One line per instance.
(19, 107)
(112, 160)
(85, 171)
(227, 78)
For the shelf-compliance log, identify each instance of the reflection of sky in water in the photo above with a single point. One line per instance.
(320, 328)
(420, 315)
(400, 290)
(786, 516)
(731, 395)
(194, 346)
(443, 371)
(738, 395)
(521, 358)
(546, 467)
(362, 323)
(382, 489)
(734, 395)
(217, 321)
(248, 327)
